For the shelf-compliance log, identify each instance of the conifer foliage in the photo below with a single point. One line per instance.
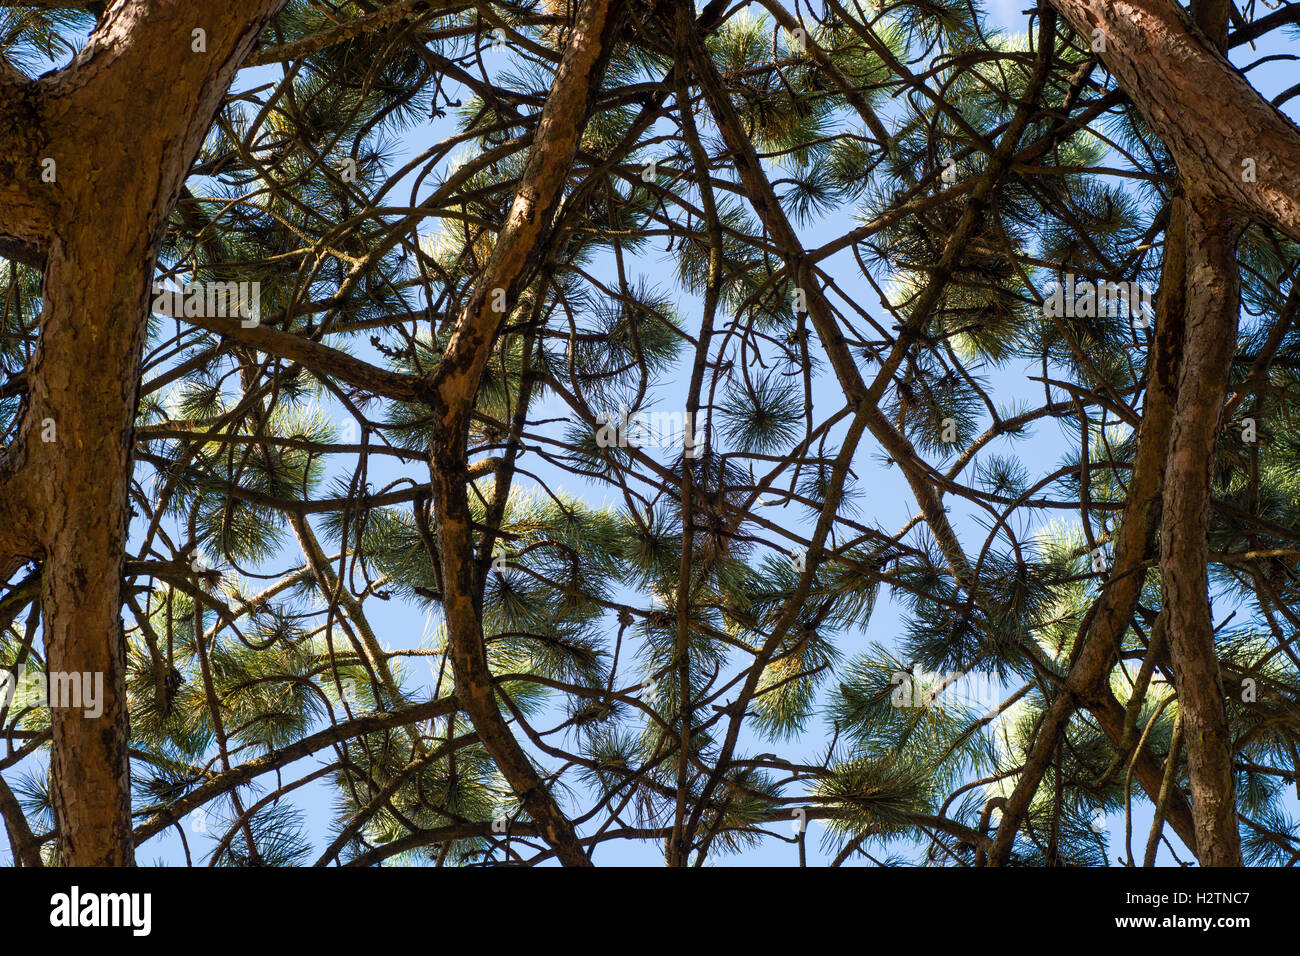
(580, 431)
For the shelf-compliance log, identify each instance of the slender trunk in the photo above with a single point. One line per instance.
(519, 248)
(1167, 784)
(1213, 302)
(1097, 643)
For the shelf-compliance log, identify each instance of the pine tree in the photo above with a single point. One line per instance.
(852, 413)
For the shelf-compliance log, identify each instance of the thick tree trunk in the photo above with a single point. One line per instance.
(122, 124)
(1237, 155)
(93, 308)
(1227, 140)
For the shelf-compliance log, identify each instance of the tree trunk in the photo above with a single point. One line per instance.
(122, 124)
(1213, 302)
(1237, 156)
(518, 249)
(1227, 140)
(92, 311)
(1097, 642)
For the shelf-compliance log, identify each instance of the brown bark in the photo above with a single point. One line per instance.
(518, 249)
(1236, 155)
(1213, 302)
(1206, 113)
(123, 122)
(1097, 643)
(1167, 786)
(320, 358)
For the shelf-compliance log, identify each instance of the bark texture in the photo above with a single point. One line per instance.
(1200, 106)
(1213, 301)
(1237, 157)
(122, 124)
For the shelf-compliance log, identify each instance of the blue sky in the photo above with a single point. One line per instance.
(885, 502)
